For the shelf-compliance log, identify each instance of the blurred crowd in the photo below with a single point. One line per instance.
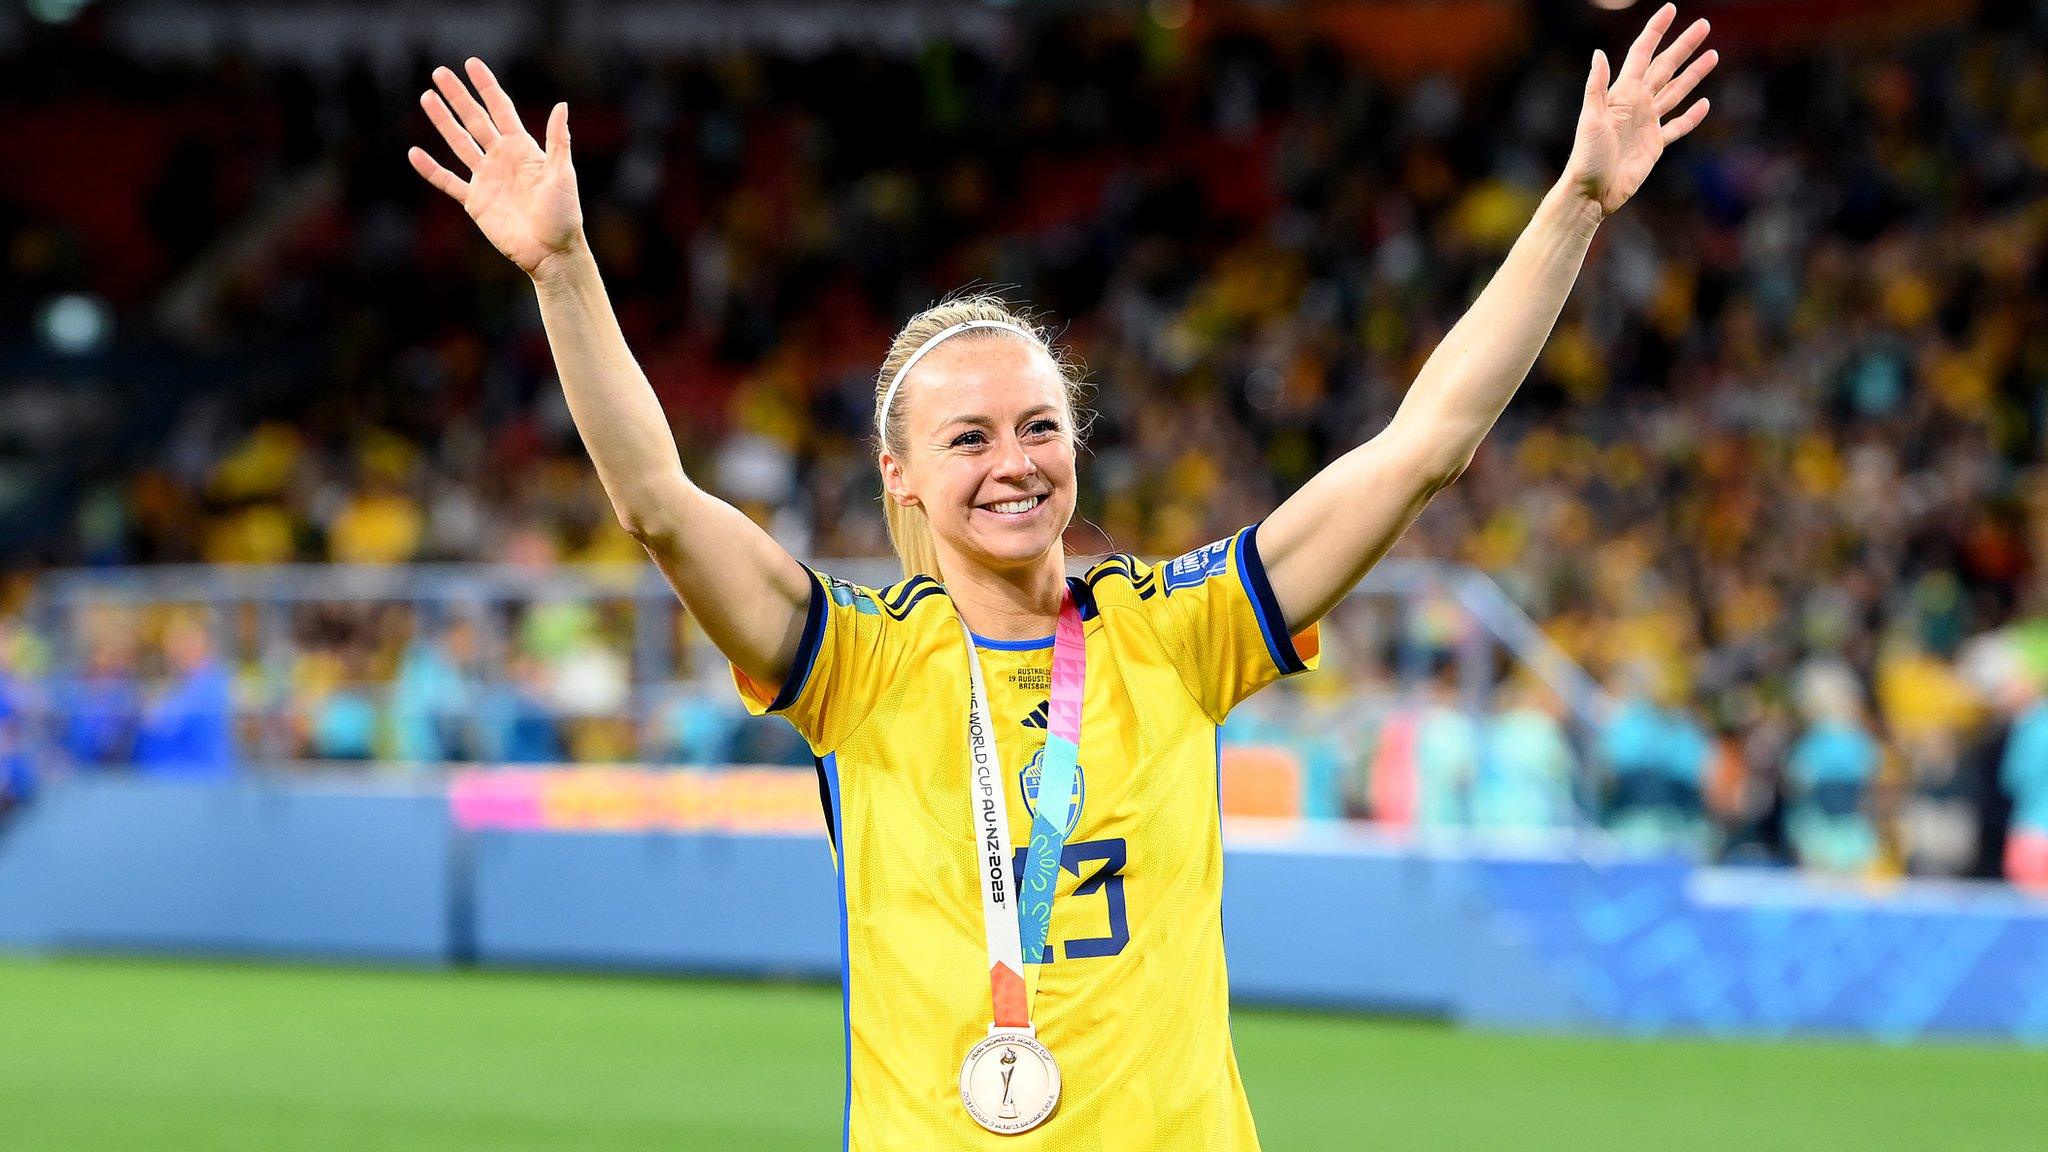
(190, 691)
(1776, 482)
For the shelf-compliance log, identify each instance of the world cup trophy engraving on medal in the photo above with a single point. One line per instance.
(1009, 1109)
(1009, 1082)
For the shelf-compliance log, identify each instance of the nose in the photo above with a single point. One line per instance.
(1013, 462)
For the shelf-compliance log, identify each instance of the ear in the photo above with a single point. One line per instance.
(893, 482)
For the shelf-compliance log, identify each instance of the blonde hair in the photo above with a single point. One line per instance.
(910, 532)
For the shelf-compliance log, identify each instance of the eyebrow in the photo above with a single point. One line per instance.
(985, 422)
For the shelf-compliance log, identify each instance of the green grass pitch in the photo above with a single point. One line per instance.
(102, 1055)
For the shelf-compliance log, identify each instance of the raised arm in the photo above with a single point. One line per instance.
(749, 594)
(1323, 539)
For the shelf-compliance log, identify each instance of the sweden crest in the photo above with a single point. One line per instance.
(1029, 783)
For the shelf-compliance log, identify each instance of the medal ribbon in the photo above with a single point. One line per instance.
(1017, 913)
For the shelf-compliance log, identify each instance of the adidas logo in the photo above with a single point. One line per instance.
(1039, 715)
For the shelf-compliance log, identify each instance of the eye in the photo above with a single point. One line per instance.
(1045, 427)
(968, 440)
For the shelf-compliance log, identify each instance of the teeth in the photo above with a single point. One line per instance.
(1013, 507)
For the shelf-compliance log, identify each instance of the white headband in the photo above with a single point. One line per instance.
(889, 397)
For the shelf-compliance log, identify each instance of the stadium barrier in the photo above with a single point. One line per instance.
(306, 870)
(1323, 915)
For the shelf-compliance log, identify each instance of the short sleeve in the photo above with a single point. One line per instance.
(1220, 617)
(837, 674)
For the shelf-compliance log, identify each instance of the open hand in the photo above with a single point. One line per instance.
(522, 197)
(1622, 130)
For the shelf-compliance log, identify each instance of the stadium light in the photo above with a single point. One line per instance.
(56, 11)
(1172, 15)
(76, 324)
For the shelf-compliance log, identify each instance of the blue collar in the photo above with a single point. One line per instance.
(1011, 645)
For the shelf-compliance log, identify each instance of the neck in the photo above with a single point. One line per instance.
(1017, 604)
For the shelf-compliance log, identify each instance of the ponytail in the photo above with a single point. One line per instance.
(911, 535)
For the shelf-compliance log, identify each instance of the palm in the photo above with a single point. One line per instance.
(1622, 131)
(522, 197)
(521, 205)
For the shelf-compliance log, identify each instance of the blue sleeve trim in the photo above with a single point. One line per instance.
(806, 647)
(1272, 624)
(828, 784)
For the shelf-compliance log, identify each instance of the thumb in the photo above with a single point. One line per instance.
(558, 134)
(1596, 79)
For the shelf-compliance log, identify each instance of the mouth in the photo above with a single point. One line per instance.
(1017, 509)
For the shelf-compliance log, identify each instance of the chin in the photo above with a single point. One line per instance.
(1019, 552)
(1011, 550)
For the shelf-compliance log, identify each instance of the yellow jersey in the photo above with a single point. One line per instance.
(1133, 1000)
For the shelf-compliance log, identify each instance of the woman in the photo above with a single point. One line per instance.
(1077, 986)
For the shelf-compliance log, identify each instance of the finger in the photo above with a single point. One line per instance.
(1674, 93)
(458, 138)
(1639, 53)
(558, 134)
(1676, 129)
(472, 113)
(1597, 78)
(1681, 50)
(502, 112)
(436, 175)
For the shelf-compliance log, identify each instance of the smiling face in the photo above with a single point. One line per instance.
(989, 450)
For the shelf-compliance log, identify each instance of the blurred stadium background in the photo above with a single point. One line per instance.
(1708, 703)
